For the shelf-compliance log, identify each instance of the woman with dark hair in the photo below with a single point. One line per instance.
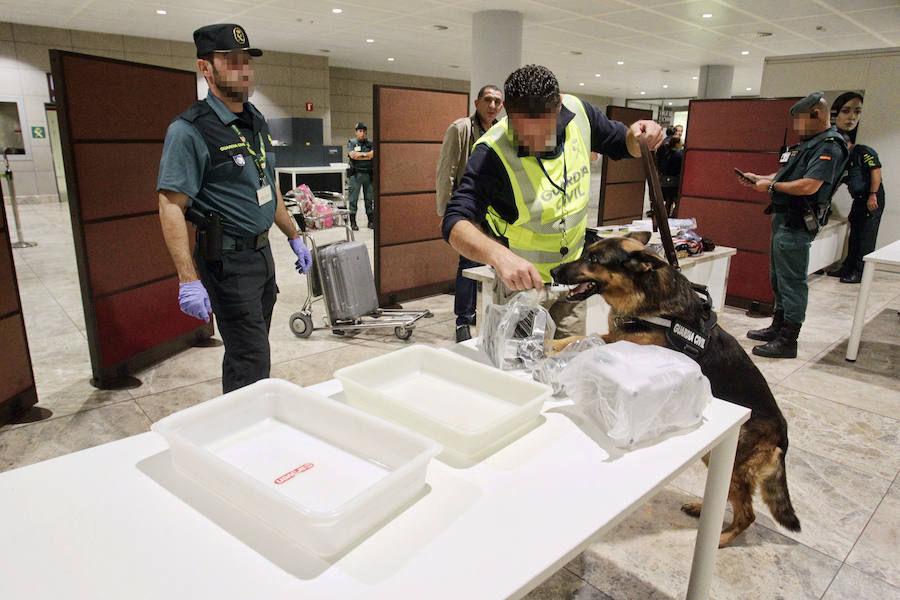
(864, 183)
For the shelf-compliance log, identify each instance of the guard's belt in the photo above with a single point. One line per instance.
(253, 242)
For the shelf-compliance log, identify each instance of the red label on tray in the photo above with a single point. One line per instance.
(291, 474)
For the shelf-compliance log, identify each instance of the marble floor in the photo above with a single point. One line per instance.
(842, 464)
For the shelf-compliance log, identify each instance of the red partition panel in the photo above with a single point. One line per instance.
(622, 183)
(750, 125)
(113, 118)
(17, 389)
(722, 135)
(411, 257)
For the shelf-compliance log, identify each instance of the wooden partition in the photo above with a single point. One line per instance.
(411, 257)
(17, 390)
(622, 186)
(113, 117)
(722, 135)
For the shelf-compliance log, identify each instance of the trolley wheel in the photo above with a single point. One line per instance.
(340, 332)
(403, 333)
(301, 324)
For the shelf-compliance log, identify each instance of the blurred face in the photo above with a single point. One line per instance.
(360, 134)
(488, 106)
(678, 131)
(231, 73)
(806, 125)
(848, 117)
(535, 129)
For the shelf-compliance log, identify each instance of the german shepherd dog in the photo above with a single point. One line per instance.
(637, 284)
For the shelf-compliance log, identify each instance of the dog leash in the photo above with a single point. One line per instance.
(660, 216)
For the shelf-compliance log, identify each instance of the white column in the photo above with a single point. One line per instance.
(715, 81)
(496, 48)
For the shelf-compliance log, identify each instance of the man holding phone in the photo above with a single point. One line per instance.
(800, 194)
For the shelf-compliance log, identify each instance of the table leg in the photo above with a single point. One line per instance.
(718, 479)
(859, 317)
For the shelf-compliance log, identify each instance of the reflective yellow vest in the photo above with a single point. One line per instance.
(537, 234)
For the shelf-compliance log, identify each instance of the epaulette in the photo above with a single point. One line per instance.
(195, 111)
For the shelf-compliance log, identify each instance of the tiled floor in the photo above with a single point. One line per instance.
(842, 464)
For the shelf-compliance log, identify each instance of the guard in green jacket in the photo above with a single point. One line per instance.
(801, 193)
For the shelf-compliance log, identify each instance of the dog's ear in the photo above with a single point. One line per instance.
(640, 262)
(641, 236)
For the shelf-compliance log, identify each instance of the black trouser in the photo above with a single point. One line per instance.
(242, 293)
(464, 305)
(863, 232)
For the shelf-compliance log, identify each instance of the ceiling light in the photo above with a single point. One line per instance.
(694, 77)
(438, 27)
(580, 83)
(390, 59)
(642, 93)
(670, 104)
(370, 41)
(325, 50)
(621, 62)
(337, 11)
(161, 12)
(665, 85)
(596, 74)
(748, 89)
(706, 15)
(745, 52)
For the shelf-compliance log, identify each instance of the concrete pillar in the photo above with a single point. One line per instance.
(496, 48)
(715, 81)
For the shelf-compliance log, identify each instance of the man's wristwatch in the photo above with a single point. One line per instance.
(771, 188)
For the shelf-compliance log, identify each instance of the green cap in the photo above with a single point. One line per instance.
(807, 103)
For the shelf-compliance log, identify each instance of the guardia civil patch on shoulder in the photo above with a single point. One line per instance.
(239, 160)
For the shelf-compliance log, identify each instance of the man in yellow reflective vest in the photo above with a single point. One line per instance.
(529, 176)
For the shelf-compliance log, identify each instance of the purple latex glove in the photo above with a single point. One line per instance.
(193, 300)
(304, 258)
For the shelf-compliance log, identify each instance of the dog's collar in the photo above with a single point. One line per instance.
(680, 336)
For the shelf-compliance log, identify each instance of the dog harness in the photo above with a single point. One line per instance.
(684, 338)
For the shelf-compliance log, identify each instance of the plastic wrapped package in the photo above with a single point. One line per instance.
(636, 393)
(517, 334)
(549, 370)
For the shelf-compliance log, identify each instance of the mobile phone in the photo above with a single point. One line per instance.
(742, 175)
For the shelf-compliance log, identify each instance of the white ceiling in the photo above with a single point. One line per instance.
(661, 42)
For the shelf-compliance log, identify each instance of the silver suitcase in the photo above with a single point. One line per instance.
(347, 281)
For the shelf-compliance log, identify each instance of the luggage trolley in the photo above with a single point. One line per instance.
(322, 281)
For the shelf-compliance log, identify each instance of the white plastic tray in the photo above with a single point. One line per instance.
(470, 408)
(316, 470)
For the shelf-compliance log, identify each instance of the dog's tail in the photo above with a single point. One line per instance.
(775, 494)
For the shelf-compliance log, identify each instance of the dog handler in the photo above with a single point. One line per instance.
(217, 164)
(800, 193)
(529, 175)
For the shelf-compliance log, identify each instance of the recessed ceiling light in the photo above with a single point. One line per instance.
(162, 12)
(596, 74)
(642, 93)
(748, 89)
(337, 11)
(390, 59)
(670, 104)
(453, 66)
(621, 62)
(745, 52)
(370, 41)
(706, 15)
(665, 85)
(438, 27)
(580, 83)
(325, 50)
(694, 77)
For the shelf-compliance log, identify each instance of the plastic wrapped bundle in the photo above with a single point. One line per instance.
(636, 393)
(549, 370)
(517, 334)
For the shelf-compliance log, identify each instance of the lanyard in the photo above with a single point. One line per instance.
(564, 248)
(258, 159)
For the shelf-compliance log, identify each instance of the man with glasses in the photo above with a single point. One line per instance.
(218, 167)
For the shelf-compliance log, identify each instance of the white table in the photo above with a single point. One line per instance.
(886, 259)
(118, 521)
(340, 168)
(709, 269)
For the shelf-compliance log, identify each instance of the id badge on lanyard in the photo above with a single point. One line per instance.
(264, 192)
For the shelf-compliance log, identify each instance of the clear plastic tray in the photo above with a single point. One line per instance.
(470, 408)
(318, 471)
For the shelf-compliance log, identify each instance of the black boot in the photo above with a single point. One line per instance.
(371, 219)
(353, 224)
(769, 333)
(784, 346)
(853, 277)
(843, 271)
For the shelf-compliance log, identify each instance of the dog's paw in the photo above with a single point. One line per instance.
(692, 508)
(559, 345)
